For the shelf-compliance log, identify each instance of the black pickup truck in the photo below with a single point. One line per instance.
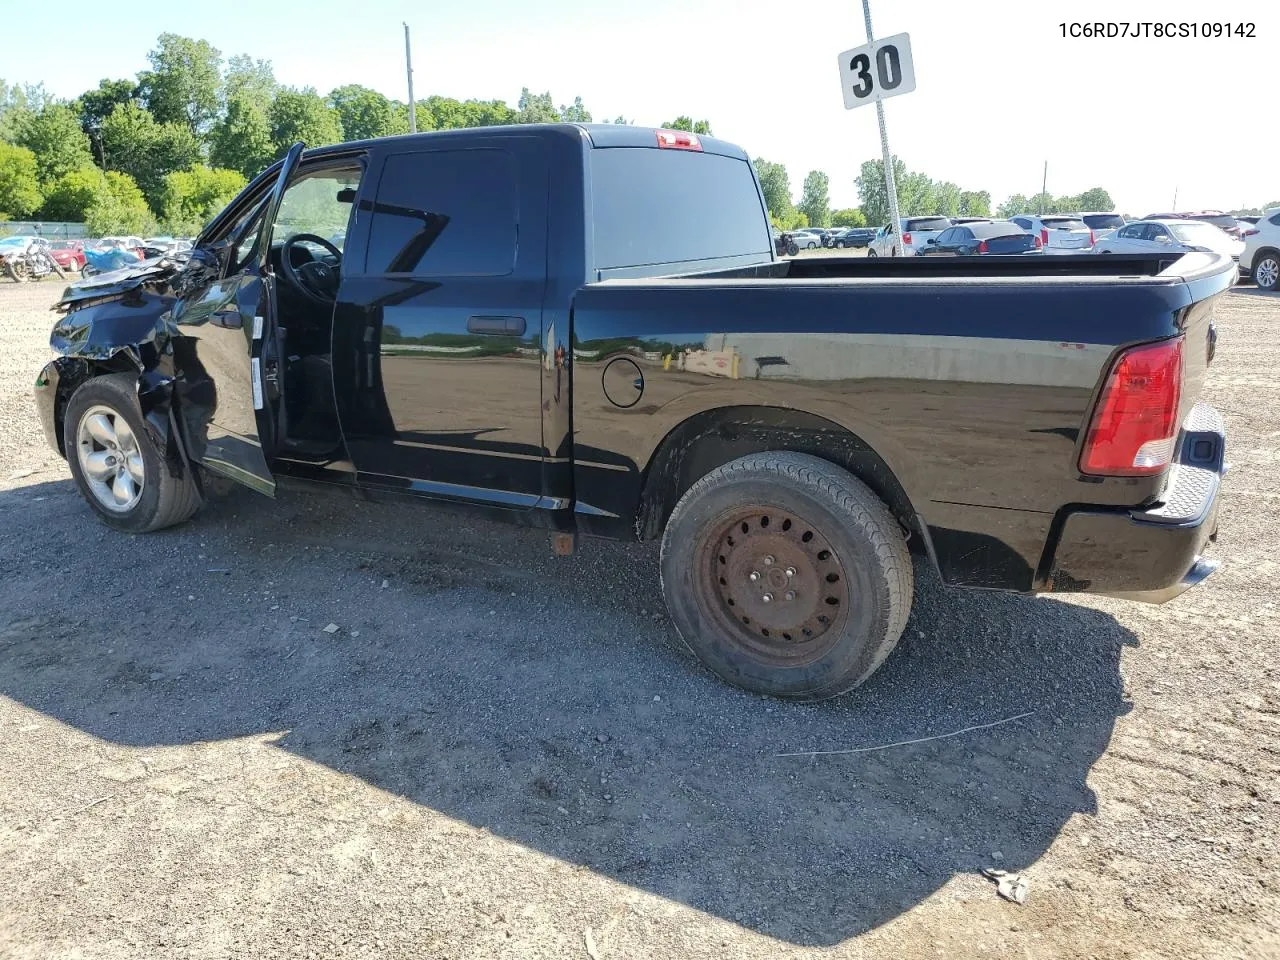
(586, 328)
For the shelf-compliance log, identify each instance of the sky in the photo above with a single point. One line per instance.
(999, 90)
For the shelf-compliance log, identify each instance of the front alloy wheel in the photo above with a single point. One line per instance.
(115, 462)
(110, 459)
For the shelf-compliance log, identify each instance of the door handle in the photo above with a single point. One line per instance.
(496, 326)
(227, 319)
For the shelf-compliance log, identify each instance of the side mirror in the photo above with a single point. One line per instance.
(932, 240)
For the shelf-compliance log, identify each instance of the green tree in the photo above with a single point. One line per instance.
(241, 139)
(848, 217)
(1015, 206)
(536, 108)
(700, 127)
(184, 84)
(94, 106)
(946, 196)
(119, 208)
(17, 100)
(776, 186)
(815, 200)
(1095, 198)
(620, 120)
(302, 115)
(364, 113)
(72, 195)
(19, 184)
(249, 79)
(975, 203)
(575, 112)
(55, 137)
(872, 195)
(147, 151)
(192, 197)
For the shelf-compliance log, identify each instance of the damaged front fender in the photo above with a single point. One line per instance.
(121, 323)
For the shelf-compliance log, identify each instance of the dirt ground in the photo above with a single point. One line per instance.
(501, 754)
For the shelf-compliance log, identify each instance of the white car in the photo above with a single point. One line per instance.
(1261, 256)
(916, 232)
(807, 238)
(1058, 232)
(1171, 236)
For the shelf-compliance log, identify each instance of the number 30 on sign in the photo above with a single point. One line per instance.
(877, 71)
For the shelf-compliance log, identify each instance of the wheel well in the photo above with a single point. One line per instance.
(71, 374)
(707, 440)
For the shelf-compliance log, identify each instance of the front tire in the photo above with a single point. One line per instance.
(786, 575)
(116, 466)
(871, 254)
(1266, 270)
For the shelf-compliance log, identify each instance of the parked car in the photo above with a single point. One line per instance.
(1100, 224)
(916, 232)
(1261, 255)
(1223, 221)
(133, 245)
(1172, 236)
(854, 237)
(633, 362)
(1250, 219)
(982, 239)
(807, 238)
(1058, 233)
(69, 254)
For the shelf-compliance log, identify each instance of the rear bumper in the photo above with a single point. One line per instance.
(1156, 553)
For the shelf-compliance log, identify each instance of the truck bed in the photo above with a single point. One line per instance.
(970, 379)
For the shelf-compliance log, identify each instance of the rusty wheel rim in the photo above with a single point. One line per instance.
(775, 584)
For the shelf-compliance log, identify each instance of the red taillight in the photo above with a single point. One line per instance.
(1044, 236)
(906, 239)
(1093, 237)
(982, 246)
(1136, 421)
(679, 140)
(1039, 245)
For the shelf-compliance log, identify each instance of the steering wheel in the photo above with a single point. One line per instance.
(315, 279)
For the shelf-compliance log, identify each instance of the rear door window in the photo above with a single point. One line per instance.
(1063, 223)
(445, 213)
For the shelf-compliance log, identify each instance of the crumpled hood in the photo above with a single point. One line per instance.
(116, 282)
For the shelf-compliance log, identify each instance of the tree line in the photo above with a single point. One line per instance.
(169, 148)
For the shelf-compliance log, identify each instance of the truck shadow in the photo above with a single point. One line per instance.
(543, 701)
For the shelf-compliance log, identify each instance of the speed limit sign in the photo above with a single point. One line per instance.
(877, 71)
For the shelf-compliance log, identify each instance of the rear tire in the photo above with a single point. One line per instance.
(871, 254)
(106, 409)
(785, 575)
(1266, 270)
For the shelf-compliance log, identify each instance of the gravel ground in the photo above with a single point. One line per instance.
(501, 753)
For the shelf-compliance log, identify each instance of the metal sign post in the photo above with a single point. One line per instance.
(874, 73)
(890, 181)
(408, 70)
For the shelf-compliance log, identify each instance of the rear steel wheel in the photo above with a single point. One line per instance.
(786, 575)
(774, 582)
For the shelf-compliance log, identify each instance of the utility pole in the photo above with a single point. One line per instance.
(890, 181)
(1174, 208)
(1044, 185)
(408, 69)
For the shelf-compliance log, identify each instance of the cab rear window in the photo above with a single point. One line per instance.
(655, 206)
